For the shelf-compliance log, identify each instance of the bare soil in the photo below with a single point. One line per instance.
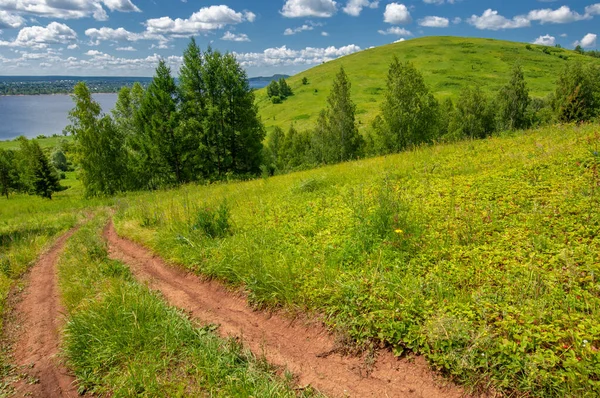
(39, 316)
(307, 350)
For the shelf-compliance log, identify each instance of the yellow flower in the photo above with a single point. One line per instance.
(399, 231)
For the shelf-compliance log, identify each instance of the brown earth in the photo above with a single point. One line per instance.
(39, 315)
(307, 350)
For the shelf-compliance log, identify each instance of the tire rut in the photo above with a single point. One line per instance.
(39, 315)
(308, 351)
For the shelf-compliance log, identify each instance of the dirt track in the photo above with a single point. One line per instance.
(304, 350)
(39, 316)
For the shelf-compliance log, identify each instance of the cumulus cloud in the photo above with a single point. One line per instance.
(355, 7)
(229, 36)
(434, 22)
(284, 56)
(395, 30)
(588, 41)
(67, 9)
(438, 2)
(309, 8)
(309, 25)
(8, 20)
(546, 40)
(594, 9)
(41, 37)
(561, 15)
(396, 14)
(491, 20)
(205, 20)
(128, 48)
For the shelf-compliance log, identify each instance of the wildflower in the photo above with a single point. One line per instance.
(399, 231)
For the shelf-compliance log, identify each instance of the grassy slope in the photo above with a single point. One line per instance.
(48, 142)
(483, 255)
(447, 63)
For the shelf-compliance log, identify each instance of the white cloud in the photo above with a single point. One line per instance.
(309, 25)
(438, 2)
(309, 8)
(491, 20)
(396, 14)
(324, 34)
(457, 20)
(205, 20)
(41, 37)
(67, 9)
(284, 56)
(120, 35)
(128, 48)
(395, 30)
(73, 46)
(594, 9)
(434, 22)
(235, 37)
(560, 15)
(588, 41)
(546, 40)
(8, 20)
(355, 7)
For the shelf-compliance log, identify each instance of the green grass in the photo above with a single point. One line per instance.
(483, 256)
(48, 142)
(447, 63)
(123, 340)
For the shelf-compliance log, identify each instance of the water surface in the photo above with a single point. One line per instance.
(32, 115)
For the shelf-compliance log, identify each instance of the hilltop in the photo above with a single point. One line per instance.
(448, 64)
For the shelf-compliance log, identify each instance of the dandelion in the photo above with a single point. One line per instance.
(399, 231)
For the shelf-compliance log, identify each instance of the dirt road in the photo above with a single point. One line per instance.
(39, 315)
(305, 350)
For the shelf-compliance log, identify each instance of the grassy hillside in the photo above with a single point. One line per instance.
(483, 255)
(48, 142)
(447, 63)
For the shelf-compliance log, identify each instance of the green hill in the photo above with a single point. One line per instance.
(447, 63)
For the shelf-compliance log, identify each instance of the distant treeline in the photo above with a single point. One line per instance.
(411, 116)
(64, 85)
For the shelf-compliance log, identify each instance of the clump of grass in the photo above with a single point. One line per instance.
(122, 339)
(214, 223)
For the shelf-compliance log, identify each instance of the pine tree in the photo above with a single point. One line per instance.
(161, 144)
(46, 180)
(409, 113)
(344, 141)
(284, 89)
(197, 146)
(513, 101)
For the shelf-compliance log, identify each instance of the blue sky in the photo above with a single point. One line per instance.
(127, 37)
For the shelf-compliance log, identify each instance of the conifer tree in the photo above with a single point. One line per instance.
(46, 180)
(273, 89)
(160, 143)
(344, 142)
(409, 113)
(513, 101)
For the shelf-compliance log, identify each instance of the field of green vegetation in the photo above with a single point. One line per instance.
(448, 65)
(483, 256)
(45, 143)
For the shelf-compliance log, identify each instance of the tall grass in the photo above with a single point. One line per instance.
(121, 339)
(481, 256)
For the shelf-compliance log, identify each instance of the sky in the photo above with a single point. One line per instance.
(128, 37)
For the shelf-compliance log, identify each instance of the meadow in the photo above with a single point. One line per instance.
(448, 65)
(482, 256)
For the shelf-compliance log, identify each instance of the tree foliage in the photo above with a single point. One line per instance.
(577, 95)
(409, 113)
(513, 101)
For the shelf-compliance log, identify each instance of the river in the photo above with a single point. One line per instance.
(33, 115)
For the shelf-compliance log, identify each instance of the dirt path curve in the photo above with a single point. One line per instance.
(305, 350)
(37, 341)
